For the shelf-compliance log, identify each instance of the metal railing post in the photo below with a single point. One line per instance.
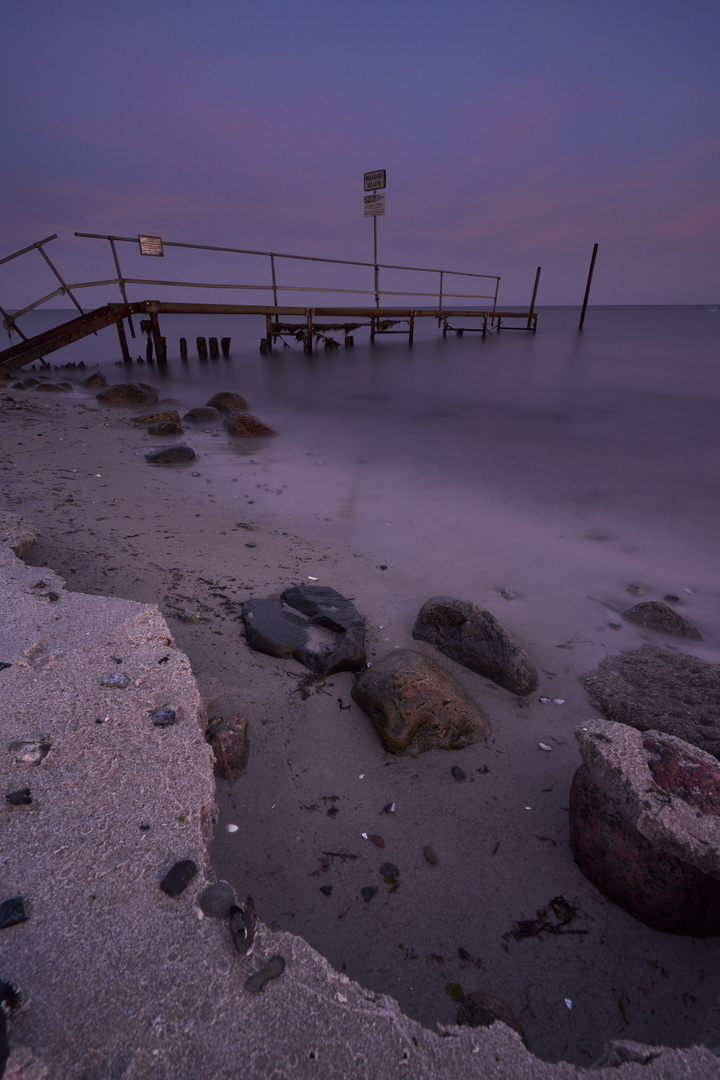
(121, 283)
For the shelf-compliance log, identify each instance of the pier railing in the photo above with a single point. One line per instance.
(440, 293)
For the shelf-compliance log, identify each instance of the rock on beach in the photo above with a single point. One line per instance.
(130, 394)
(416, 706)
(475, 639)
(666, 691)
(658, 616)
(241, 424)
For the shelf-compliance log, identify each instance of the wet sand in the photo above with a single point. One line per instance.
(111, 524)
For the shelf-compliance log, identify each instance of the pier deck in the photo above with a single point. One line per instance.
(379, 320)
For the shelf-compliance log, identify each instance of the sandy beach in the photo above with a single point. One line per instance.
(201, 540)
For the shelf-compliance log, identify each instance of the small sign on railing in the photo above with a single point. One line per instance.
(374, 205)
(151, 245)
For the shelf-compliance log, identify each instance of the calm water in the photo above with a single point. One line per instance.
(616, 426)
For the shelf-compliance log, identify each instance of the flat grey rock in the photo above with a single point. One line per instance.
(652, 688)
(324, 632)
(475, 639)
(171, 455)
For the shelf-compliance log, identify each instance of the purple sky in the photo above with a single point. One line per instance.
(514, 135)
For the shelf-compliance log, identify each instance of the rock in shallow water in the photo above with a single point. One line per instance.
(171, 455)
(226, 400)
(645, 826)
(667, 691)
(658, 616)
(130, 394)
(241, 425)
(475, 639)
(416, 706)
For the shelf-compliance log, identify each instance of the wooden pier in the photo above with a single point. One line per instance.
(305, 326)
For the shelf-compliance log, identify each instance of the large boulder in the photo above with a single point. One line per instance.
(416, 706)
(475, 638)
(129, 394)
(227, 400)
(645, 826)
(655, 615)
(202, 414)
(656, 688)
(168, 416)
(241, 424)
(325, 632)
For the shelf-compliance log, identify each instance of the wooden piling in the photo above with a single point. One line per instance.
(309, 331)
(183, 348)
(202, 349)
(214, 350)
(157, 339)
(149, 350)
(532, 302)
(225, 346)
(123, 343)
(587, 290)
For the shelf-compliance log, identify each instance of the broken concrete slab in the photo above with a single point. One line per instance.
(645, 825)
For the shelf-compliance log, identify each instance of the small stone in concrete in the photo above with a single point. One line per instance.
(22, 797)
(430, 855)
(416, 706)
(458, 773)
(227, 400)
(272, 970)
(163, 717)
(178, 877)
(242, 425)
(475, 639)
(216, 900)
(368, 892)
(30, 751)
(118, 681)
(658, 616)
(12, 912)
(326, 889)
(130, 394)
(171, 455)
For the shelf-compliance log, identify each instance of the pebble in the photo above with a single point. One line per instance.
(30, 751)
(163, 717)
(19, 798)
(543, 746)
(430, 855)
(670, 598)
(272, 970)
(118, 681)
(12, 912)
(389, 869)
(388, 808)
(368, 892)
(189, 616)
(326, 890)
(217, 899)
(178, 877)
(251, 543)
(231, 828)
(458, 773)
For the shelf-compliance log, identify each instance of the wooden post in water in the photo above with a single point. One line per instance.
(183, 348)
(201, 347)
(225, 346)
(587, 290)
(214, 351)
(532, 302)
(123, 343)
(157, 339)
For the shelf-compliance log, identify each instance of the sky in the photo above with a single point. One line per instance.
(514, 135)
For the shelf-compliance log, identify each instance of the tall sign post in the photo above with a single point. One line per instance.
(374, 205)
